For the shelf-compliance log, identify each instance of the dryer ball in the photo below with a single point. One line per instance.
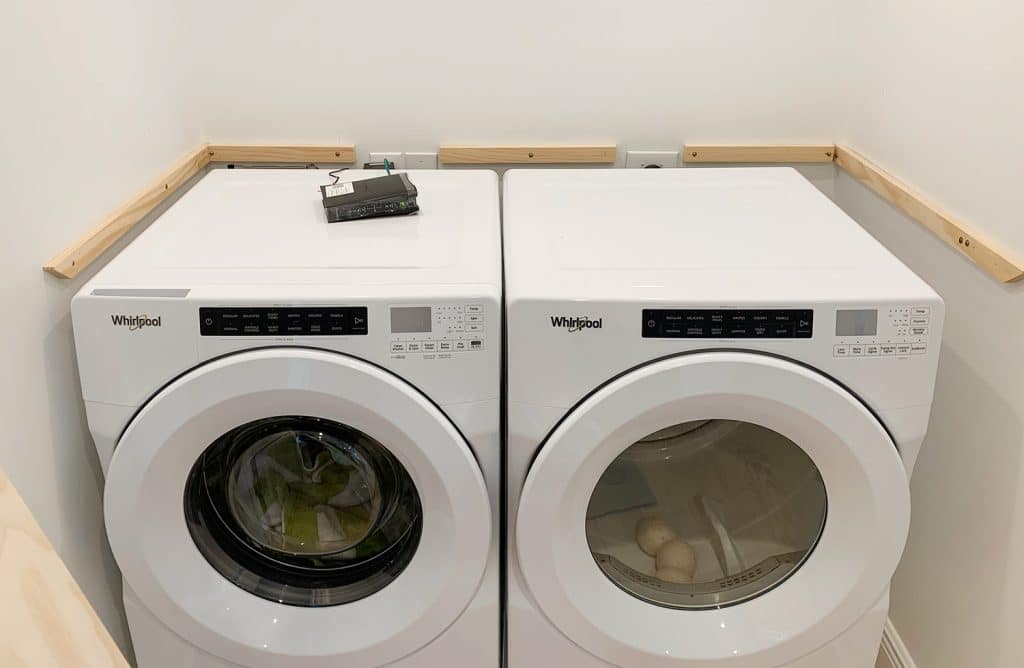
(652, 533)
(677, 554)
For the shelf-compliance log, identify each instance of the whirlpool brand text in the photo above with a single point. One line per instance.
(134, 322)
(575, 324)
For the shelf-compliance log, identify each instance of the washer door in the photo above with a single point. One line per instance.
(716, 507)
(299, 505)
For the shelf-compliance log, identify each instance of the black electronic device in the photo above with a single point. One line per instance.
(391, 195)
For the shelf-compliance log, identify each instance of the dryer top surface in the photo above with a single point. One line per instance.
(725, 235)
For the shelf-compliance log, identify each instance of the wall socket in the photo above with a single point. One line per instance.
(394, 157)
(651, 159)
(401, 160)
(421, 161)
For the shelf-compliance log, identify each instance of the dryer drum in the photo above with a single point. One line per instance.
(706, 514)
(303, 511)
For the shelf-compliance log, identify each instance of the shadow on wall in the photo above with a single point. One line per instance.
(965, 494)
(72, 462)
(79, 477)
(48, 452)
(955, 599)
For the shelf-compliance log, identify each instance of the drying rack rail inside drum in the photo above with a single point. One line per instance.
(700, 594)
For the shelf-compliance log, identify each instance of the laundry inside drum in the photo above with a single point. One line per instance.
(706, 514)
(303, 510)
(299, 492)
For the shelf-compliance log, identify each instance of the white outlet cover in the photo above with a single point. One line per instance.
(645, 159)
(394, 157)
(421, 161)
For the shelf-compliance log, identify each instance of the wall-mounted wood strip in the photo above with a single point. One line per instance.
(281, 154)
(766, 153)
(79, 255)
(47, 621)
(947, 228)
(76, 257)
(524, 155)
(72, 260)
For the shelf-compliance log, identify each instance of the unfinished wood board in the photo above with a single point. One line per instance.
(766, 153)
(72, 260)
(46, 619)
(281, 154)
(947, 228)
(76, 257)
(79, 255)
(522, 155)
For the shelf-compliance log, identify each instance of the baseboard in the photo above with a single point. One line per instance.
(893, 648)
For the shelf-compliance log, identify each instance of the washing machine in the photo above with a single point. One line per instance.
(717, 387)
(298, 424)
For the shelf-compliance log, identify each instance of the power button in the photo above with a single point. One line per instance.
(652, 323)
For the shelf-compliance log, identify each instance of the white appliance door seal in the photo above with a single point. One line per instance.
(848, 569)
(146, 521)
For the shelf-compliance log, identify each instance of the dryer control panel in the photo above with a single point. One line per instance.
(436, 331)
(894, 331)
(727, 323)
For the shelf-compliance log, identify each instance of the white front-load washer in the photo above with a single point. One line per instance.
(717, 387)
(299, 425)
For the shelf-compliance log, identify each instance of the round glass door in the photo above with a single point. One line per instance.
(303, 511)
(716, 465)
(265, 482)
(706, 514)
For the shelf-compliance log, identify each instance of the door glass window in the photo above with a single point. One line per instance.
(706, 514)
(303, 511)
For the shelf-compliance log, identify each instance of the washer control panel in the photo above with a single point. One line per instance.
(284, 321)
(896, 331)
(437, 331)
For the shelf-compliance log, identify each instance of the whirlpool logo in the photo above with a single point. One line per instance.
(575, 324)
(134, 322)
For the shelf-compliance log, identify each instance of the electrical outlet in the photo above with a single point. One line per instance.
(395, 158)
(421, 161)
(651, 159)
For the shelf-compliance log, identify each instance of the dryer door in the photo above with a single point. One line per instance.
(718, 507)
(298, 506)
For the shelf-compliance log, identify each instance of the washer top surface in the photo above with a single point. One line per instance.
(267, 227)
(720, 235)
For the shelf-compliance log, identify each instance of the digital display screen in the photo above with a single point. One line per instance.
(410, 319)
(859, 322)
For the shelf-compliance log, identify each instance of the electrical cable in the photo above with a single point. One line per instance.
(334, 174)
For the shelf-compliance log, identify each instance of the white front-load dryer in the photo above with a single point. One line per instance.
(299, 425)
(717, 387)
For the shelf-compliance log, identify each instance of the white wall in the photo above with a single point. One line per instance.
(643, 73)
(101, 98)
(936, 95)
(94, 106)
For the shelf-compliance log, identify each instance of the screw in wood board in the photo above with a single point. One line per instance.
(337, 154)
(960, 240)
(967, 242)
(530, 154)
(694, 154)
